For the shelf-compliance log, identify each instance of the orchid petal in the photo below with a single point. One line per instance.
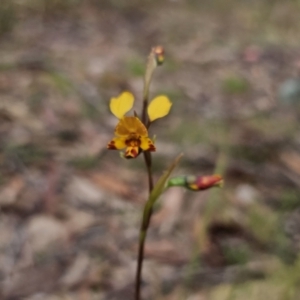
(130, 125)
(159, 107)
(117, 143)
(147, 144)
(122, 104)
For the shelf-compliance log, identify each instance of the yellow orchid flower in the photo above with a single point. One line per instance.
(130, 132)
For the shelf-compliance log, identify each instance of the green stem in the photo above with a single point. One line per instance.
(139, 264)
(144, 228)
(148, 162)
(151, 65)
(144, 111)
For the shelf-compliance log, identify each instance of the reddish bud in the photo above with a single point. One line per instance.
(197, 183)
(159, 53)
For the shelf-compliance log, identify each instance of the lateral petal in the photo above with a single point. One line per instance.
(116, 143)
(120, 105)
(159, 107)
(147, 144)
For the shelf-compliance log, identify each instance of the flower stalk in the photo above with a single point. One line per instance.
(155, 58)
(157, 190)
(131, 134)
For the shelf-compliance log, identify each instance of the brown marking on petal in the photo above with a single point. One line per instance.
(131, 153)
(151, 147)
(133, 142)
(111, 145)
(127, 154)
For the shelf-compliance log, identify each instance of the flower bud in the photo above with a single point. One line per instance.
(197, 183)
(159, 53)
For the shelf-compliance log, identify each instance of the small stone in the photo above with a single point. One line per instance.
(289, 92)
(246, 194)
(78, 221)
(77, 271)
(45, 231)
(82, 191)
(10, 192)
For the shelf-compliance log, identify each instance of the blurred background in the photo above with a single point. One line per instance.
(71, 210)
